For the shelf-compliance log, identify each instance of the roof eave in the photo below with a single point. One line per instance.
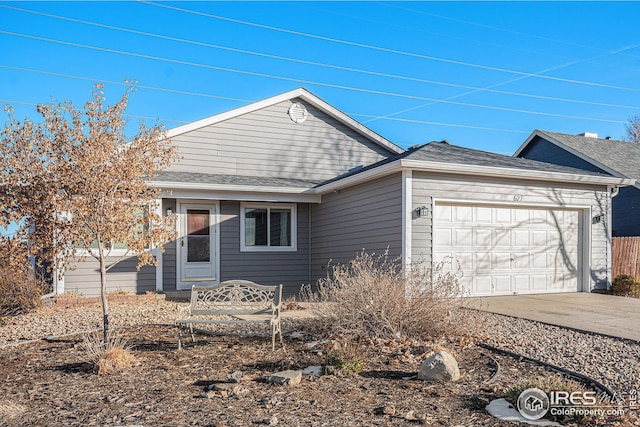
(463, 169)
(230, 187)
(535, 175)
(580, 155)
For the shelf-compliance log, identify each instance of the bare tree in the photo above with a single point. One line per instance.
(77, 185)
(633, 130)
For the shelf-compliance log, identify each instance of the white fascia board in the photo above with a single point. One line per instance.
(466, 169)
(241, 193)
(576, 153)
(526, 142)
(296, 93)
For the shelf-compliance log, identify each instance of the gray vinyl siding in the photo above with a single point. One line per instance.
(544, 151)
(626, 212)
(429, 187)
(85, 279)
(267, 268)
(169, 271)
(365, 217)
(268, 143)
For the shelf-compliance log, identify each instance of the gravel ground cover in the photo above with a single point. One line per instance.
(47, 382)
(611, 361)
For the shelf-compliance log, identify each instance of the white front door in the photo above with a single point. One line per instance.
(197, 244)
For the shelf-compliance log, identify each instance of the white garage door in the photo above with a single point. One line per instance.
(504, 250)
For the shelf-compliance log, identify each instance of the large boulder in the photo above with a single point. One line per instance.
(285, 377)
(440, 367)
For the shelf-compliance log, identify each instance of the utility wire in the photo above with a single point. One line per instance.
(139, 86)
(473, 89)
(390, 50)
(303, 81)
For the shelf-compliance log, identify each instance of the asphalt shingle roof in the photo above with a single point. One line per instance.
(446, 153)
(205, 178)
(620, 156)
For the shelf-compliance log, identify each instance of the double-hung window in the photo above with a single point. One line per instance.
(267, 227)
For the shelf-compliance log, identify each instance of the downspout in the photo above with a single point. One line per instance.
(613, 192)
(310, 209)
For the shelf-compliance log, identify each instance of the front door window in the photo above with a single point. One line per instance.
(198, 236)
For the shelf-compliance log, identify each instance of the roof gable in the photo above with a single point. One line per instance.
(300, 93)
(618, 158)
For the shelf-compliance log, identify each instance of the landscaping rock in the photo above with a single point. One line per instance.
(441, 366)
(285, 377)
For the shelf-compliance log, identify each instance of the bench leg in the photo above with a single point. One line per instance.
(179, 337)
(193, 337)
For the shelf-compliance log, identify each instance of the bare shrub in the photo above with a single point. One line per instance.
(373, 297)
(20, 288)
(110, 357)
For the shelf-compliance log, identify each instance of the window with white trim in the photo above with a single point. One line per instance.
(267, 227)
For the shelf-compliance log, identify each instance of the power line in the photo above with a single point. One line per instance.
(332, 66)
(439, 123)
(505, 30)
(397, 119)
(139, 86)
(303, 81)
(389, 50)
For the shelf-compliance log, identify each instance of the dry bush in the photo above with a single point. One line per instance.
(372, 297)
(20, 289)
(110, 358)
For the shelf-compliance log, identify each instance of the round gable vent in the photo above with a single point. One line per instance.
(298, 112)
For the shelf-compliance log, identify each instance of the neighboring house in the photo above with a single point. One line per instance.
(587, 151)
(273, 191)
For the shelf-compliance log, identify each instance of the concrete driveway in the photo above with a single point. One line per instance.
(604, 314)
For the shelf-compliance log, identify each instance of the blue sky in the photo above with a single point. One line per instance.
(479, 74)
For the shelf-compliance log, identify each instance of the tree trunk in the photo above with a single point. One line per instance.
(103, 295)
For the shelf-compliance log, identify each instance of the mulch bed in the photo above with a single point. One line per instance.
(48, 383)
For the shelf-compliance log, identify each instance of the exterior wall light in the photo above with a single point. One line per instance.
(169, 211)
(422, 211)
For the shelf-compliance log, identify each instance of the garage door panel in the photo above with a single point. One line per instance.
(443, 214)
(463, 237)
(501, 261)
(538, 282)
(521, 283)
(520, 238)
(501, 285)
(482, 286)
(504, 250)
(483, 237)
(522, 260)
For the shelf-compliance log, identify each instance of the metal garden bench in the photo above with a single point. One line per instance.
(232, 298)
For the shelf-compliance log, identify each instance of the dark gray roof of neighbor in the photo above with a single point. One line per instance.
(205, 178)
(620, 156)
(446, 153)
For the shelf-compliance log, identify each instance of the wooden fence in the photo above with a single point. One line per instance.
(625, 258)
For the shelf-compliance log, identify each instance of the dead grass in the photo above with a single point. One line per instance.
(371, 297)
(107, 359)
(20, 288)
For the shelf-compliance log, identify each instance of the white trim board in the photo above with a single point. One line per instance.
(580, 155)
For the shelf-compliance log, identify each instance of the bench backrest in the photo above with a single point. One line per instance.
(235, 297)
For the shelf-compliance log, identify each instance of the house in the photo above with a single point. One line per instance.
(605, 155)
(273, 191)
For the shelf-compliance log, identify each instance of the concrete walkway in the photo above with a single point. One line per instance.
(604, 314)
